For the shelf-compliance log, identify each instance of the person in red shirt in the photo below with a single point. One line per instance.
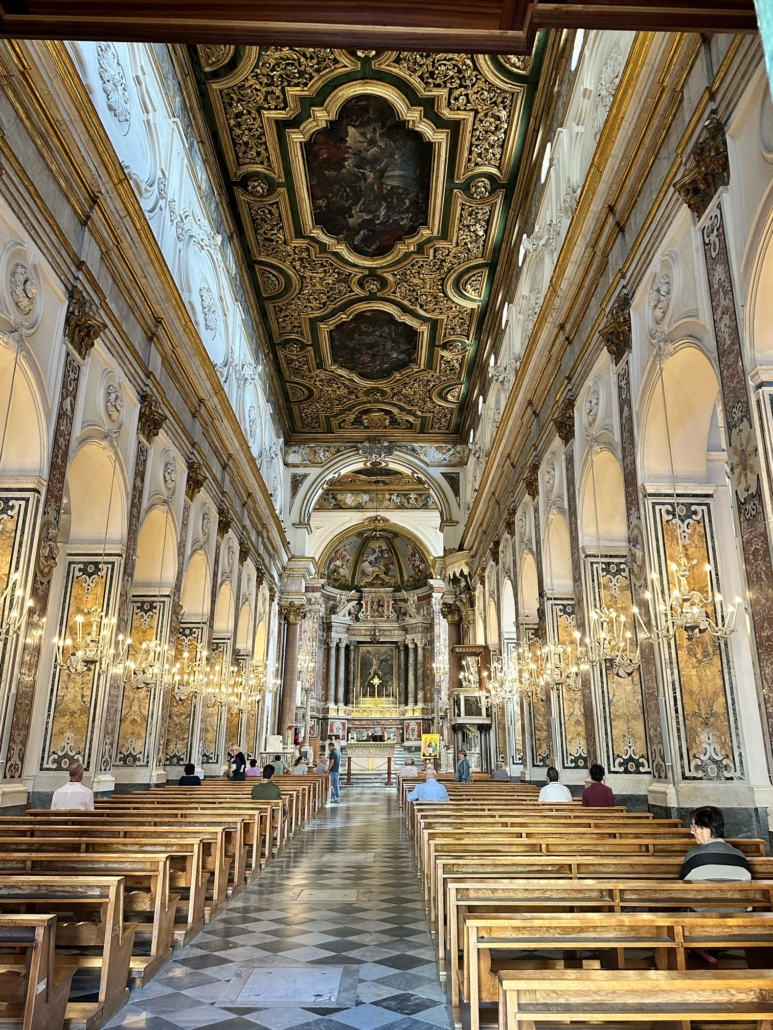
(598, 794)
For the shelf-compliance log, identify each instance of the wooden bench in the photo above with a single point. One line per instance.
(34, 981)
(503, 898)
(147, 897)
(89, 912)
(528, 998)
(565, 936)
(593, 867)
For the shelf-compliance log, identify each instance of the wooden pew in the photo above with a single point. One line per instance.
(529, 997)
(187, 874)
(135, 827)
(467, 899)
(563, 935)
(146, 893)
(592, 867)
(90, 916)
(34, 981)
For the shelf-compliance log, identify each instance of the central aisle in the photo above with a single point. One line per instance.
(331, 936)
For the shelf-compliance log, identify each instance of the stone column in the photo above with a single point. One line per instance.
(453, 617)
(401, 693)
(293, 613)
(351, 677)
(420, 672)
(81, 330)
(531, 480)
(411, 659)
(151, 419)
(564, 424)
(331, 671)
(193, 483)
(341, 674)
(708, 172)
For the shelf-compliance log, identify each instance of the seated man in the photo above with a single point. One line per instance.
(266, 791)
(253, 769)
(598, 794)
(279, 766)
(500, 773)
(430, 790)
(409, 770)
(714, 858)
(73, 795)
(189, 779)
(553, 790)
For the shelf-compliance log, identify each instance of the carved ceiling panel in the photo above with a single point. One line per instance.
(371, 190)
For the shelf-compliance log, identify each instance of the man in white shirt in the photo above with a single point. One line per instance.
(73, 796)
(409, 770)
(553, 790)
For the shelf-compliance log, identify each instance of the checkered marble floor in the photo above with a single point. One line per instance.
(331, 936)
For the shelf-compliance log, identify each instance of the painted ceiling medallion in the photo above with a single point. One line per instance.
(369, 176)
(372, 195)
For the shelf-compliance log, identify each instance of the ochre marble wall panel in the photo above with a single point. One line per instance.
(561, 627)
(134, 735)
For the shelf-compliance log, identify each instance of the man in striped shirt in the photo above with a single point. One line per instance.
(714, 858)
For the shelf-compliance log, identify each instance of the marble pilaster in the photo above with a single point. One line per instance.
(350, 675)
(341, 674)
(411, 661)
(331, 672)
(293, 613)
(81, 330)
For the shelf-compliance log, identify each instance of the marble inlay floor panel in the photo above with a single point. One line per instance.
(331, 936)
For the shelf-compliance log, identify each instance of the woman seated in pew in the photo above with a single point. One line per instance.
(190, 779)
(713, 858)
(299, 768)
(253, 769)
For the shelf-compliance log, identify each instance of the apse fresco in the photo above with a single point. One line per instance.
(369, 177)
(703, 695)
(377, 558)
(374, 344)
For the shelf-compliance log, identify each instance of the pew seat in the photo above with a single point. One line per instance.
(35, 982)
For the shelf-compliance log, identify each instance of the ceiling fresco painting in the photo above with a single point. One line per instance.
(371, 191)
(375, 489)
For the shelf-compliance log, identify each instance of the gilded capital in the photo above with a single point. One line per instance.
(564, 421)
(531, 480)
(82, 328)
(224, 521)
(244, 551)
(494, 550)
(151, 417)
(293, 611)
(451, 613)
(260, 575)
(509, 522)
(616, 331)
(197, 477)
(709, 168)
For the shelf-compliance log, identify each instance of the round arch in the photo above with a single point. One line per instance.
(156, 566)
(492, 624)
(558, 553)
(331, 552)
(528, 587)
(508, 608)
(223, 622)
(196, 588)
(605, 525)
(243, 629)
(23, 440)
(96, 496)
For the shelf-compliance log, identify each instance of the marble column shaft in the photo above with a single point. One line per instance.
(331, 672)
(341, 674)
(81, 331)
(741, 436)
(648, 668)
(420, 672)
(401, 692)
(454, 661)
(411, 658)
(580, 619)
(541, 619)
(290, 676)
(351, 674)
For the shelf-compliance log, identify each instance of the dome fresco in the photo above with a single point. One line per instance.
(376, 558)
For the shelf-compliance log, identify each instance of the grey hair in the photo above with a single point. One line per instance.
(75, 770)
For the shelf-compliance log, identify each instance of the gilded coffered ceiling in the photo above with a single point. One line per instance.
(371, 191)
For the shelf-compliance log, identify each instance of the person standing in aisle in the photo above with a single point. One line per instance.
(334, 770)
(463, 774)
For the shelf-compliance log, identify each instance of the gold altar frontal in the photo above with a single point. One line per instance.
(370, 756)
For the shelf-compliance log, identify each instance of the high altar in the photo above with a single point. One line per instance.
(381, 610)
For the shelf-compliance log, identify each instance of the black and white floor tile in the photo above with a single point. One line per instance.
(331, 936)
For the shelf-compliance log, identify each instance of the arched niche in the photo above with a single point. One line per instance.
(508, 608)
(243, 629)
(22, 425)
(604, 525)
(529, 587)
(691, 390)
(224, 611)
(95, 494)
(156, 566)
(492, 624)
(196, 588)
(261, 639)
(558, 554)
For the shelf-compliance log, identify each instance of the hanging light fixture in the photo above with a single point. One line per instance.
(681, 607)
